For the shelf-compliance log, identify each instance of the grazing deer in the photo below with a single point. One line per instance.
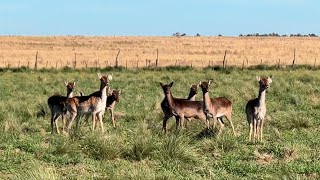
(166, 109)
(216, 108)
(256, 109)
(181, 108)
(94, 105)
(56, 106)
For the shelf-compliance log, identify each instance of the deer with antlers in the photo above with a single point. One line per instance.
(167, 111)
(256, 109)
(93, 105)
(182, 108)
(56, 106)
(216, 108)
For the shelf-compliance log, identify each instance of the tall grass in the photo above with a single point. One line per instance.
(138, 149)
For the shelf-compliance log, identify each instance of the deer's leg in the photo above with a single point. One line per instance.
(258, 129)
(228, 116)
(255, 123)
(182, 121)
(112, 117)
(56, 123)
(71, 119)
(221, 126)
(93, 120)
(177, 121)
(100, 117)
(214, 123)
(250, 131)
(164, 124)
(52, 122)
(261, 129)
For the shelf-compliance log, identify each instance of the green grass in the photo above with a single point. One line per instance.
(137, 149)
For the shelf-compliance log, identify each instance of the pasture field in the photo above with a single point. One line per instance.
(137, 149)
(60, 51)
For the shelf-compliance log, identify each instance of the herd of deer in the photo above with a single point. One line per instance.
(95, 104)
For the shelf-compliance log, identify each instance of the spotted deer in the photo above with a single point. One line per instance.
(182, 108)
(112, 97)
(216, 108)
(56, 106)
(256, 109)
(93, 105)
(166, 109)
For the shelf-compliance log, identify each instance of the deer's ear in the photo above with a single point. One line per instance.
(74, 84)
(209, 82)
(109, 77)
(171, 84)
(258, 78)
(161, 84)
(99, 76)
(270, 79)
(66, 83)
(199, 83)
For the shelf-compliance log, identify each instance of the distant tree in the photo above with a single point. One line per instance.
(184, 34)
(240, 35)
(197, 35)
(220, 35)
(176, 34)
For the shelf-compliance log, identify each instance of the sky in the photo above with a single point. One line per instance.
(158, 18)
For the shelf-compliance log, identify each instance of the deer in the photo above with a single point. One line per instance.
(256, 109)
(166, 109)
(112, 97)
(56, 106)
(93, 104)
(216, 108)
(182, 108)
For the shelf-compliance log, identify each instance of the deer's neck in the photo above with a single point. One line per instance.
(69, 93)
(103, 91)
(262, 97)
(170, 100)
(206, 100)
(192, 96)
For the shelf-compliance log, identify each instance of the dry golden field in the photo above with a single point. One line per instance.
(60, 51)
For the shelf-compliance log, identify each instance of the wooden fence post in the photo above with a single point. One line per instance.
(36, 63)
(294, 57)
(157, 58)
(224, 63)
(117, 62)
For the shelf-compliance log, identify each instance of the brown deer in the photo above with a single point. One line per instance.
(111, 102)
(182, 108)
(216, 108)
(93, 105)
(56, 106)
(166, 109)
(256, 109)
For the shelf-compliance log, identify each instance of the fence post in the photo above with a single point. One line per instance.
(294, 57)
(224, 63)
(157, 58)
(315, 62)
(36, 63)
(117, 59)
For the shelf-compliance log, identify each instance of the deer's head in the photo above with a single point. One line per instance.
(264, 83)
(194, 88)
(205, 85)
(166, 87)
(70, 85)
(116, 94)
(104, 79)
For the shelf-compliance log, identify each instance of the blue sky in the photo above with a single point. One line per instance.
(158, 18)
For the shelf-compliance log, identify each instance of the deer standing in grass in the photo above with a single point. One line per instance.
(111, 102)
(92, 104)
(256, 109)
(216, 108)
(112, 98)
(56, 106)
(182, 108)
(166, 109)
